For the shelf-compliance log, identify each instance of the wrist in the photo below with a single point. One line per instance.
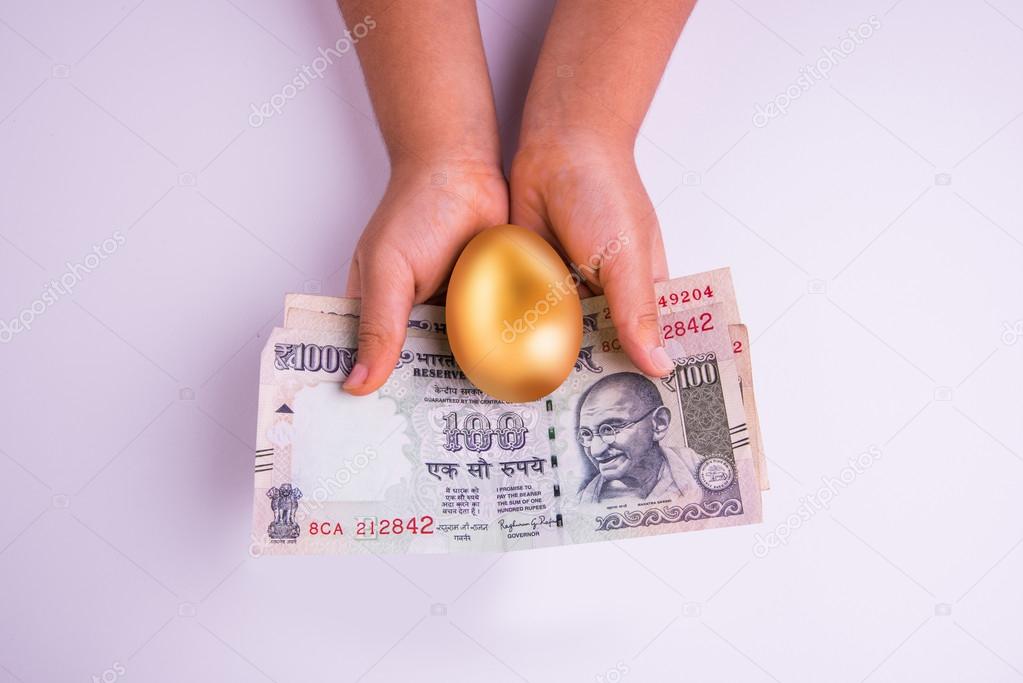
(558, 148)
(455, 140)
(563, 113)
(439, 165)
(478, 183)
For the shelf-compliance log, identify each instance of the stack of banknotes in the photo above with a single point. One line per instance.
(429, 463)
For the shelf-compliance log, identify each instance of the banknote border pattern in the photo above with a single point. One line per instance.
(671, 514)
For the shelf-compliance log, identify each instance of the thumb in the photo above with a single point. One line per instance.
(628, 282)
(387, 290)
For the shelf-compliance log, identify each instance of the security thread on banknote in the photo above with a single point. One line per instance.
(429, 463)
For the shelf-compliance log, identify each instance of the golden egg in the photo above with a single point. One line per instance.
(513, 316)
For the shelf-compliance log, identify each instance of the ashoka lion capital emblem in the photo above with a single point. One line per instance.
(284, 503)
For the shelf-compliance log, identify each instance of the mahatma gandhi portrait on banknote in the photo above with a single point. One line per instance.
(621, 422)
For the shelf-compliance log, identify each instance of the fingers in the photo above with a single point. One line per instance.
(384, 282)
(628, 283)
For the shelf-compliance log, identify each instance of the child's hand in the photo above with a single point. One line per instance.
(409, 248)
(575, 175)
(583, 187)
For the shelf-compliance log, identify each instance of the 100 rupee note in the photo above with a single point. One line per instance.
(431, 464)
(678, 295)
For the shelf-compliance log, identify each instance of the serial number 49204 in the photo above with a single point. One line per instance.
(684, 296)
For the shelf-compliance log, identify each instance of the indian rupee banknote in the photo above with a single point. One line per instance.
(677, 295)
(429, 463)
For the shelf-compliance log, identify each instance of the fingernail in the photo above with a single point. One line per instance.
(356, 377)
(659, 357)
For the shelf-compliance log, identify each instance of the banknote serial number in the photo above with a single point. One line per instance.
(371, 527)
(694, 325)
(684, 296)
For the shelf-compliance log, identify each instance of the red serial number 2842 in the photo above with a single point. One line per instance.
(704, 322)
(371, 527)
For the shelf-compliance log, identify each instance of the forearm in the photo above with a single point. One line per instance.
(427, 77)
(599, 67)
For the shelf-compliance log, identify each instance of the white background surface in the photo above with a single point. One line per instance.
(883, 299)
